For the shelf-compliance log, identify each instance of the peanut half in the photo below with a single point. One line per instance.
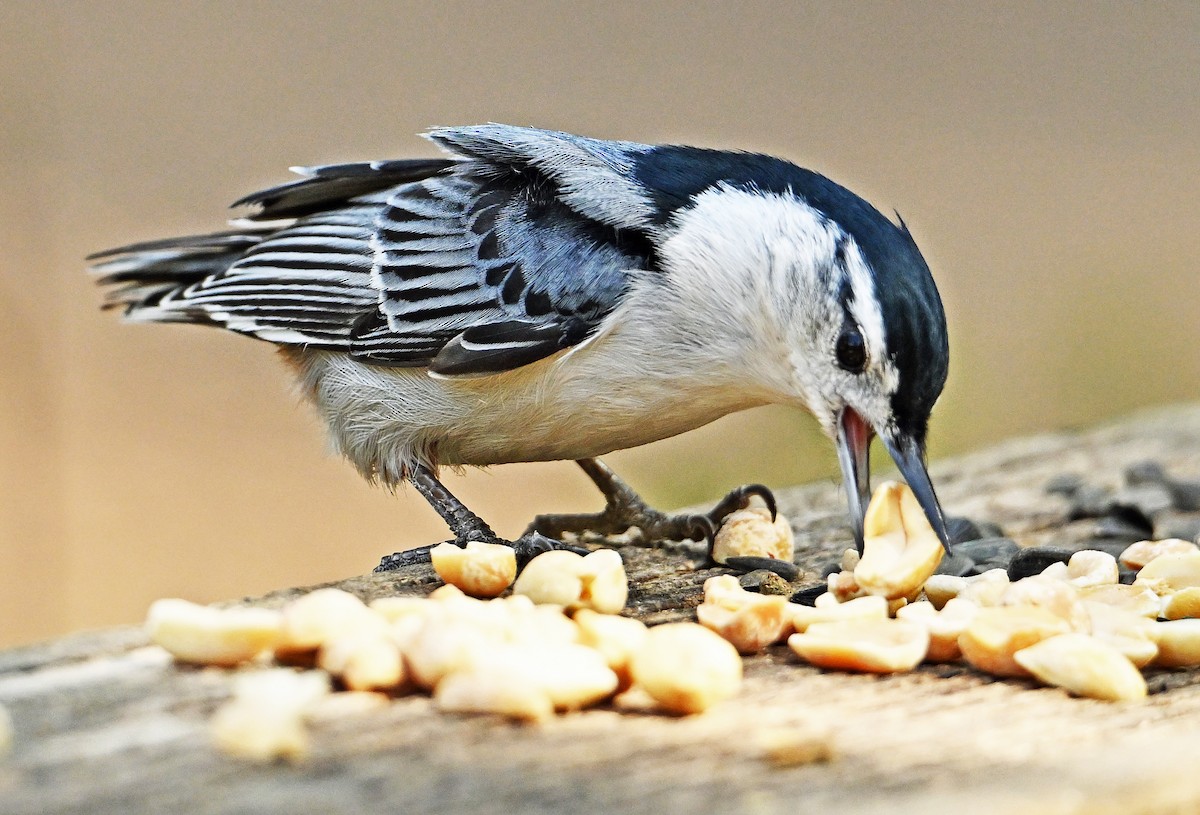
(901, 550)
(686, 668)
(212, 636)
(596, 581)
(1056, 596)
(1167, 574)
(944, 626)
(860, 608)
(265, 718)
(750, 621)
(995, 634)
(1129, 633)
(479, 569)
(322, 615)
(1178, 644)
(1139, 554)
(751, 533)
(1084, 666)
(874, 646)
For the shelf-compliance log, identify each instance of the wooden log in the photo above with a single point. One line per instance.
(106, 723)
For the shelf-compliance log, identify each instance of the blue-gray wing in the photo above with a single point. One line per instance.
(515, 247)
(518, 253)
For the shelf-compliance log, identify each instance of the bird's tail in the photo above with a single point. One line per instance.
(142, 275)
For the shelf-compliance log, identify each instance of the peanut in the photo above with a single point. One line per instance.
(322, 615)
(751, 533)
(596, 581)
(1129, 633)
(614, 637)
(212, 636)
(265, 718)
(364, 663)
(1137, 599)
(1169, 573)
(686, 668)
(944, 626)
(750, 621)
(995, 634)
(875, 646)
(901, 550)
(479, 569)
(1178, 644)
(859, 608)
(1084, 666)
(1139, 554)
(1056, 596)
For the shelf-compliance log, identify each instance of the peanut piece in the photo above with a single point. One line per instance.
(596, 581)
(860, 608)
(479, 569)
(751, 533)
(901, 550)
(843, 587)
(498, 678)
(1090, 567)
(212, 636)
(325, 614)
(1136, 599)
(1178, 644)
(265, 718)
(995, 634)
(1129, 633)
(750, 621)
(1059, 598)
(363, 663)
(614, 637)
(944, 627)
(1181, 604)
(1142, 552)
(503, 692)
(874, 646)
(1169, 573)
(686, 668)
(1084, 666)
(983, 589)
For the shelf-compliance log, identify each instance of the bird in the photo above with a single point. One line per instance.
(535, 295)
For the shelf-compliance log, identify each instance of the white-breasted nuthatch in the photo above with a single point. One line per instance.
(539, 296)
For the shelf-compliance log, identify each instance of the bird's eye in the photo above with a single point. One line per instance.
(851, 351)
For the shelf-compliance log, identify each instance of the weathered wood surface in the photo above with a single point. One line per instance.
(106, 724)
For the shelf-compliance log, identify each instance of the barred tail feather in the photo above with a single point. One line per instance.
(143, 274)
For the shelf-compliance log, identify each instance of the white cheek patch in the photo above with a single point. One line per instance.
(864, 306)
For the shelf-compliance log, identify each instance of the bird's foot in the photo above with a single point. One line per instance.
(466, 526)
(526, 548)
(626, 510)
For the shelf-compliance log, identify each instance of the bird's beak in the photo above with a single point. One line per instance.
(854, 454)
(854, 451)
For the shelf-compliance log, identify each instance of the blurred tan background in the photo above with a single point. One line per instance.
(1047, 157)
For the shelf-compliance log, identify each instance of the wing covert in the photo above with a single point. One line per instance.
(493, 267)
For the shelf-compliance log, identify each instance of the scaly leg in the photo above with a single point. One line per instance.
(466, 526)
(626, 509)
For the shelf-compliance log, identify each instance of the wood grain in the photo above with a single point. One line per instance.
(105, 723)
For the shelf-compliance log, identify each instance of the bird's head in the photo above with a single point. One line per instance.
(872, 354)
(834, 298)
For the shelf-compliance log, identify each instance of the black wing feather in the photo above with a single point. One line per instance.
(331, 185)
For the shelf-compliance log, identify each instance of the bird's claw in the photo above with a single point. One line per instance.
(739, 498)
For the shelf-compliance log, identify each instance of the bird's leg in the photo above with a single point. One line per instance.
(626, 509)
(466, 526)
